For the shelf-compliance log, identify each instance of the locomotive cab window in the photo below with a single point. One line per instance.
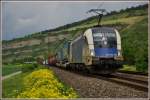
(104, 39)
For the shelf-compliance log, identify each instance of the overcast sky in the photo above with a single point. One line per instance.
(22, 18)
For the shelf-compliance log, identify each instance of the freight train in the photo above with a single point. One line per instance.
(97, 49)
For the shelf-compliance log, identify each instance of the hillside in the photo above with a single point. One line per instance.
(132, 24)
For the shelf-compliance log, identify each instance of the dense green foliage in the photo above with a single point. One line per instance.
(135, 44)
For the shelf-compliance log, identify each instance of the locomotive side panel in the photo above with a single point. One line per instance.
(76, 50)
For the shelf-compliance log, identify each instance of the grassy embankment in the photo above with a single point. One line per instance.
(38, 83)
(8, 69)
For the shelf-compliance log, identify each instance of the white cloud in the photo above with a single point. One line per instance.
(21, 18)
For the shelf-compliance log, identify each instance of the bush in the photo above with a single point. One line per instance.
(43, 84)
(135, 44)
(142, 65)
(28, 67)
(35, 65)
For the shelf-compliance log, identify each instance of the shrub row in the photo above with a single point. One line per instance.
(28, 67)
(43, 84)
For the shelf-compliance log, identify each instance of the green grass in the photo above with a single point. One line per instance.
(131, 68)
(14, 85)
(19, 84)
(8, 69)
(128, 68)
(11, 87)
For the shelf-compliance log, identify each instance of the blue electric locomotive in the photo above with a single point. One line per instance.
(98, 49)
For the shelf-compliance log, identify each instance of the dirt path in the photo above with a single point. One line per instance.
(10, 75)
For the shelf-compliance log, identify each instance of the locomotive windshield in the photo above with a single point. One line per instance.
(104, 38)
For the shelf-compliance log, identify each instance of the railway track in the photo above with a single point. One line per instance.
(131, 72)
(96, 86)
(139, 82)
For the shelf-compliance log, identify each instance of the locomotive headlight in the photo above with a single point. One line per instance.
(119, 53)
(92, 52)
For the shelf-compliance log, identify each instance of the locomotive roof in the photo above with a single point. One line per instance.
(103, 30)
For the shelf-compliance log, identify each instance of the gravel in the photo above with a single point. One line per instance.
(90, 87)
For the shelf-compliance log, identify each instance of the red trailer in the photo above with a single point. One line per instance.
(52, 60)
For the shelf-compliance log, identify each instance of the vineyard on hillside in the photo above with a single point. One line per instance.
(132, 24)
